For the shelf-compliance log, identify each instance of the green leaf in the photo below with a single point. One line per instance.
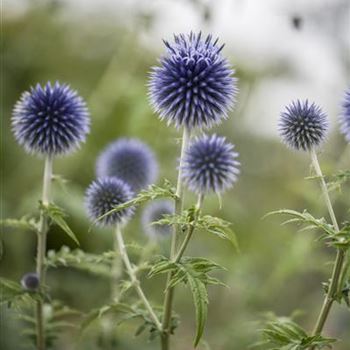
(305, 218)
(194, 273)
(57, 215)
(211, 224)
(13, 294)
(200, 300)
(24, 223)
(153, 192)
(98, 264)
(338, 180)
(218, 227)
(283, 333)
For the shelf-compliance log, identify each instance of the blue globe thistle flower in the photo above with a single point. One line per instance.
(50, 120)
(210, 164)
(105, 194)
(154, 212)
(130, 160)
(193, 86)
(30, 281)
(303, 126)
(345, 117)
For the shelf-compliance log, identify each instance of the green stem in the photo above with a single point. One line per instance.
(116, 271)
(169, 295)
(41, 251)
(190, 230)
(336, 273)
(134, 280)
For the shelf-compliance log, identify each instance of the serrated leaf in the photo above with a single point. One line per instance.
(99, 264)
(305, 218)
(57, 215)
(200, 300)
(286, 334)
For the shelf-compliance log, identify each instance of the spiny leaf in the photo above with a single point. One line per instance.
(338, 180)
(286, 334)
(13, 294)
(305, 218)
(200, 300)
(57, 215)
(99, 264)
(24, 223)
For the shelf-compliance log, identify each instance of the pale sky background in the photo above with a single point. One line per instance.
(312, 62)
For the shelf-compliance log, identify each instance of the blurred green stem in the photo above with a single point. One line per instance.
(41, 250)
(116, 271)
(190, 230)
(134, 280)
(169, 295)
(338, 264)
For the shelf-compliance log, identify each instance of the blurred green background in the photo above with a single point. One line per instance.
(107, 60)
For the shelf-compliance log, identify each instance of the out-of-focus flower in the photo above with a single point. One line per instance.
(345, 116)
(130, 160)
(30, 281)
(155, 211)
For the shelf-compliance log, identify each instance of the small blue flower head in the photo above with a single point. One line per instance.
(130, 160)
(103, 195)
(193, 86)
(50, 120)
(345, 117)
(155, 211)
(30, 281)
(210, 165)
(303, 126)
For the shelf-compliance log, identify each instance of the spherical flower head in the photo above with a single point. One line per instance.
(155, 211)
(193, 86)
(30, 281)
(50, 120)
(303, 126)
(210, 165)
(103, 195)
(130, 160)
(345, 116)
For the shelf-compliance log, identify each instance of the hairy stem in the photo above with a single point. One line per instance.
(338, 264)
(132, 274)
(41, 251)
(169, 295)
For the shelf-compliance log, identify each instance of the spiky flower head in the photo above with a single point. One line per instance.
(210, 165)
(30, 281)
(103, 195)
(303, 125)
(130, 160)
(345, 116)
(155, 211)
(50, 120)
(194, 84)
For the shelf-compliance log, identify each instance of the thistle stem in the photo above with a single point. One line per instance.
(116, 271)
(169, 295)
(336, 273)
(41, 251)
(134, 280)
(190, 230)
